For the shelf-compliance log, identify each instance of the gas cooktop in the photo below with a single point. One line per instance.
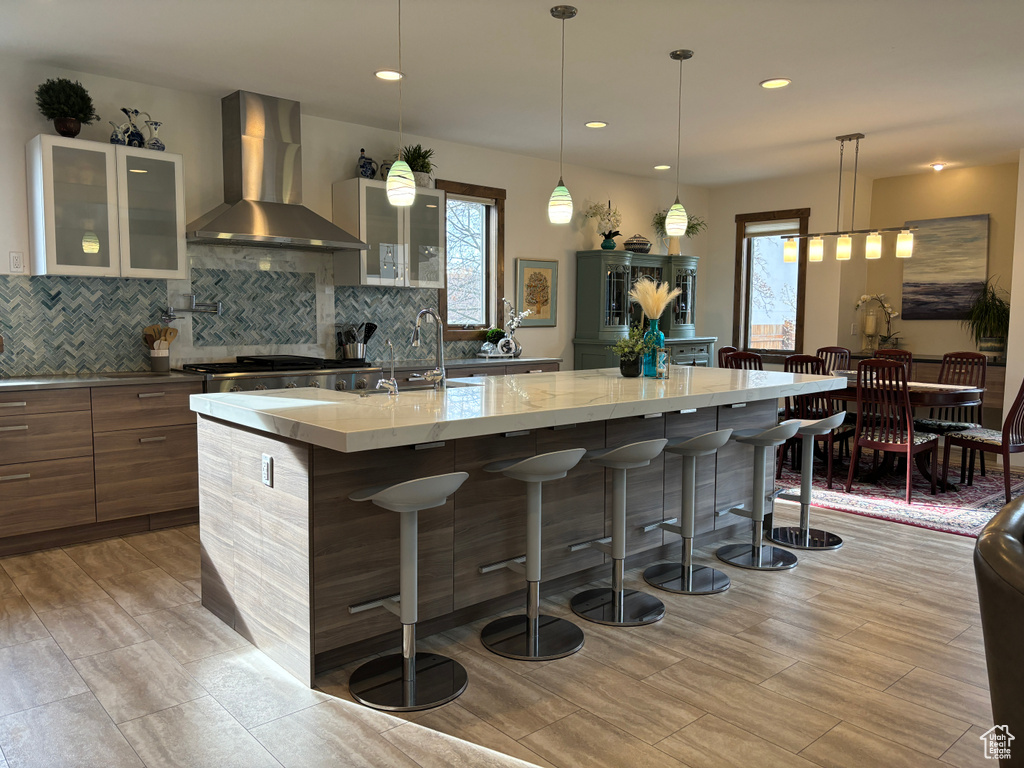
(268, 363)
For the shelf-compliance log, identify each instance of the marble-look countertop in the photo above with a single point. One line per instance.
(112, 379)
(345, 421)
(463, 362)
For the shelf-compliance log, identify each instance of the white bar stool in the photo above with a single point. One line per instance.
(532, 637)
(615, 605)
(756, 555)
(407, 681)
(685, 578)
(803, 536)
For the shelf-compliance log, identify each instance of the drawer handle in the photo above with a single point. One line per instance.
(26, 476)
(151, 394)
(428, 446)
(538, 370)
(652, 416)
(23, 428)
(152, 439)
(13, 405)
(736, 405)
(516, 433)
(477, 375)
(689, 410)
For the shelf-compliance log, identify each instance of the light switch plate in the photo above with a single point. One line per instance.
(268, 471)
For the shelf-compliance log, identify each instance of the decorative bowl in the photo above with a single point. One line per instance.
(637, 244)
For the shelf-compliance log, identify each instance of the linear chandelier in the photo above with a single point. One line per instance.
(844, 238)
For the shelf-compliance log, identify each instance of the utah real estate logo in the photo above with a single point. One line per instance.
(997, 742)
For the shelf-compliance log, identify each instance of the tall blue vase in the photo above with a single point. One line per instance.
(658, 339)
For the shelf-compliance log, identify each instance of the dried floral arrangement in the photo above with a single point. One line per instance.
(653, 297)
(608, 219)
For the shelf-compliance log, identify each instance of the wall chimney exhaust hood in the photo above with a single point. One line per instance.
(263, 182)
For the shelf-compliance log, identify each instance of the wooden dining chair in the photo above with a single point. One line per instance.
(747, 361)
(723, 354)
(902, 355)
(834, 358)
(884, 421)
(811, 407)
(1009, 440)
(966, 369)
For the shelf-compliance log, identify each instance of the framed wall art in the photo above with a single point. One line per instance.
(537, 291)
(948, 268)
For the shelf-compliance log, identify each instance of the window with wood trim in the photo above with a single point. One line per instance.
(470, 302)
(768, 305)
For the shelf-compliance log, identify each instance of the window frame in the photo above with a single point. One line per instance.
(497, 269)
(741, 287)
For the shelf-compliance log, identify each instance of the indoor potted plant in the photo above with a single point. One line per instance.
(67, 103)
(988, 319)
(694, 226)
(631, 350)
(420, 160)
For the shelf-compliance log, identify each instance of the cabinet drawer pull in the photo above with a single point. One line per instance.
(23, 428)
(13, 405)
(476, 375)
(538, 370)
(689, 410)
(563, 426)
(428, 446)
(26, 476)
(152, 439)
(517, 433)
(151, 394)
(736, 405)
(652, 416)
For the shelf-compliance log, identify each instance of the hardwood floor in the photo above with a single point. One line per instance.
(870, 655)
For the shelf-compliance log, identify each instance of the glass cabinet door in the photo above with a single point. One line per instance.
(379, 229)
(79, 218)
(682, 307)
(152, 214)
(425, 235)
(617, 285)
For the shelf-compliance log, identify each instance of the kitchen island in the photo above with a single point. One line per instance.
(285, 553)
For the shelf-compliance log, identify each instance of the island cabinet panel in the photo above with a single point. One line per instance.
(356, 544)
(691, 424)
(645, 487)
(735, 475)
(255, 541)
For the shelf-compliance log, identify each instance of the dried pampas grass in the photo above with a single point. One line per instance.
(652, 297)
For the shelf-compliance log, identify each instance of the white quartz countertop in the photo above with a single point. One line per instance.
(344, 421)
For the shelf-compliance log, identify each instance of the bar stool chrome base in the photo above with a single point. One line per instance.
(762, 558)
(694, 580)
(381, 684)
(632, 609)
(812, 538)
(510, 637)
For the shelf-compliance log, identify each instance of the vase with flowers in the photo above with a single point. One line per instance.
(608, 222)
(888, 339)
(653, 298)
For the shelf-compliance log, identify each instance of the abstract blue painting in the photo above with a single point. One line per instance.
(948, 268)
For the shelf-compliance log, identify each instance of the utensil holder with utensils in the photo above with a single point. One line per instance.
(352, 340)
(160, 360)
(158, 338)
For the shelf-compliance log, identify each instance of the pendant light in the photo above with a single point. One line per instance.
(790, 251)
(560, 204)
(676, 220)
(905, 244)
(401, 184)
(816, 251)
(873, 246)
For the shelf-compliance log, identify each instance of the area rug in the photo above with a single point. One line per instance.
(963, 512)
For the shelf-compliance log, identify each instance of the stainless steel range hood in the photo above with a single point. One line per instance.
(263, 182)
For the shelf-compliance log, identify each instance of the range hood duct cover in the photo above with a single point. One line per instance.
(263, 182)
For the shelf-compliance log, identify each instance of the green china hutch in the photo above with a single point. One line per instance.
(604, 310)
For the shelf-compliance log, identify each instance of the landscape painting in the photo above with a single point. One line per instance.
(947, 269)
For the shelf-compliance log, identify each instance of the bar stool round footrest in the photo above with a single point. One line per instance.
(510, 637)
(634, 610)
(381, 684)
(764, 558)
(813, 538)
(695, 580)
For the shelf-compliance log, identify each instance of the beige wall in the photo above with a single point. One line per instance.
(990, 189)
(1015, 342)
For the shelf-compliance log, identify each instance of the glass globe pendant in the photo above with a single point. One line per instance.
(676, 220)
(401, 184)
(560, 204)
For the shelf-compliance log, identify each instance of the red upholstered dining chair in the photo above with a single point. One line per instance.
(966, 369)
(747, 361)
(812, 407)
(884, 421)
(1010, 440)
(723, 353)
(902, 355)
(834, 358)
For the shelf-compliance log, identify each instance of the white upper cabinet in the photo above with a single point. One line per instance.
(102, 210)
(406, 245)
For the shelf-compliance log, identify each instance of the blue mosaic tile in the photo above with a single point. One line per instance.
(260, 307)
(56, 325)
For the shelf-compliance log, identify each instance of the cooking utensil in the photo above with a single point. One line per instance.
(150, 340)
(359, 333)
(153, 330)
(353, 351)
(368, 331)
(170, 334)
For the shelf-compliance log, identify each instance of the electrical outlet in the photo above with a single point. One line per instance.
(17, 262)
(268, 471)
(853, 329)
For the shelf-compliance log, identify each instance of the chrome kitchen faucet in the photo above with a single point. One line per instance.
(391, 385)
(436, 376)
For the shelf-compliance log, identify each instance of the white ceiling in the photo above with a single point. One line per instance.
(925, 80)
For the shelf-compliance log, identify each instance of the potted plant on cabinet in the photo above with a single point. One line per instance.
(694, 226)
(631, 350)
(988, 319)
(420, 160)
(67, 103)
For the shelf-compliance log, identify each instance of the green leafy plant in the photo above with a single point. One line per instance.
(494, 335)
(695, 224)
(632, 346)
(419, 158)
(989, 313)
(60, 97)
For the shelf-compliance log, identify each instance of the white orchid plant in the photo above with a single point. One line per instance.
(608, 219)
(888, 311)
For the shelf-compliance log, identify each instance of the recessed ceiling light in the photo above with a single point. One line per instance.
(388, 74)
(776, 82)
(662, 167)
(596, 124)
(938, 166)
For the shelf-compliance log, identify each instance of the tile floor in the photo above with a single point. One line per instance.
(868, 656)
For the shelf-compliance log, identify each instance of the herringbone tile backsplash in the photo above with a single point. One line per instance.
(76, 324)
